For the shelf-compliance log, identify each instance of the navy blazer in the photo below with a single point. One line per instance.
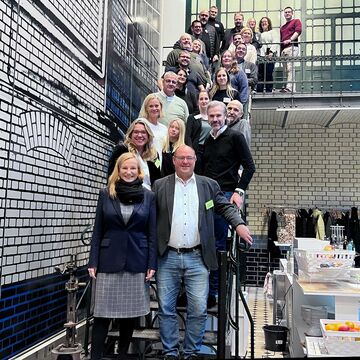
(118, 247)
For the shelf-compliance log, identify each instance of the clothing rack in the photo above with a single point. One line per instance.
(291, 208)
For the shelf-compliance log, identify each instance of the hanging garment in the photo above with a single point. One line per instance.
(354, 233)
(274, 251)
(302, 219)
(310, 231)
(328, 221)
(319, 224)
(286, 232)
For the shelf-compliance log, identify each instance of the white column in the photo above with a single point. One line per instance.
(172, 26)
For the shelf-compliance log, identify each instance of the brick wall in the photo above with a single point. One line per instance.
(302, 166)
(53, 152)
(54, 149)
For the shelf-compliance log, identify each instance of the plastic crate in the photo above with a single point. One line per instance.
(344, 343)
(321, 265)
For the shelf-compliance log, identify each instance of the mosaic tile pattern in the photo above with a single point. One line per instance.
(262, 312)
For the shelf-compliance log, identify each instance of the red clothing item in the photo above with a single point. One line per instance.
(287, 30)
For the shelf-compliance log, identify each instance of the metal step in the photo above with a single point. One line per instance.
(153, 335)
(154, 306)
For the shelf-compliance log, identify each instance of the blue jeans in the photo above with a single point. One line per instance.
(221, 227)
(172, 268)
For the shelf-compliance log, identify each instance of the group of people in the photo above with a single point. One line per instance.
(177, 181)
(158, 215)
(244, 53)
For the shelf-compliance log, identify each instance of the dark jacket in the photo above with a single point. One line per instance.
(167, 166)
(207, 190)
(193, 131)
(189, 98)
(229, 33)
(222, 96)
(251, 72)
(120, 149)
(219, 27)
(118, 247)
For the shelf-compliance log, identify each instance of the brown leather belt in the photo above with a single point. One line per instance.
(184, 250)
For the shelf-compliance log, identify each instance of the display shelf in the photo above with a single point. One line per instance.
(346, 296)
(282, 245)
(343, 288)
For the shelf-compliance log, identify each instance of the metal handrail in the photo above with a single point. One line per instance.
(329, 69)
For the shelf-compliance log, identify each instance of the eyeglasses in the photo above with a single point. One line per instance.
(171, 81)
(182, 158)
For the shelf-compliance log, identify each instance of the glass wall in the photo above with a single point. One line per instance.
(330, 30)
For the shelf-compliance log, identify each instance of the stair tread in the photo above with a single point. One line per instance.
(210, 337)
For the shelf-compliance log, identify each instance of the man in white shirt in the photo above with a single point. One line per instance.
(185, 227)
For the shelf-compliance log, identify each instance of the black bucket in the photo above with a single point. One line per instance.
(275, 337)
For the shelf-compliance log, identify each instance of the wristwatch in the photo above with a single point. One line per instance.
(241, 192)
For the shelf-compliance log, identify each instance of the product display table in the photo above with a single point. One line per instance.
(346, 296)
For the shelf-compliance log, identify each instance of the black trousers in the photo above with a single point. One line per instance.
(99, 334)
(265, 73)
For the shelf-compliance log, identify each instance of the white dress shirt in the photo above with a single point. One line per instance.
(185, 216)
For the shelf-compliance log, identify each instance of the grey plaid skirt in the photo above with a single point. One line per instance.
(121, 295)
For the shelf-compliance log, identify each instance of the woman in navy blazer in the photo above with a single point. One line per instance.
(123, 254)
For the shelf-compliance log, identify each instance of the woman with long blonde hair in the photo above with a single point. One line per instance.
(139, 141)
(175, 137)
(123, 253)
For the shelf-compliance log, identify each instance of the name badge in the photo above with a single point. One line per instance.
(157, 163)
(247, 71)
(226, 100)
(217, 25)
(209, 204)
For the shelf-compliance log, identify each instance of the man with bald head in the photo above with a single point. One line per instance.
(173, 106)
(235, 120)
(186, 204)
(185, 43)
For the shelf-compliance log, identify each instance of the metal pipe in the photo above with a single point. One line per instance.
(252, 327)
(222, 260)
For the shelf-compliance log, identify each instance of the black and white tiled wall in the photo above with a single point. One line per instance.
(53, 150)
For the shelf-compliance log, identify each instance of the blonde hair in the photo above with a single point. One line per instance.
(230, 91)
(201, 47)
(234, 69)
(149, 149)
(246, 29)
(115, 175)
(247, 23)
(145, 113)
(179, 141)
